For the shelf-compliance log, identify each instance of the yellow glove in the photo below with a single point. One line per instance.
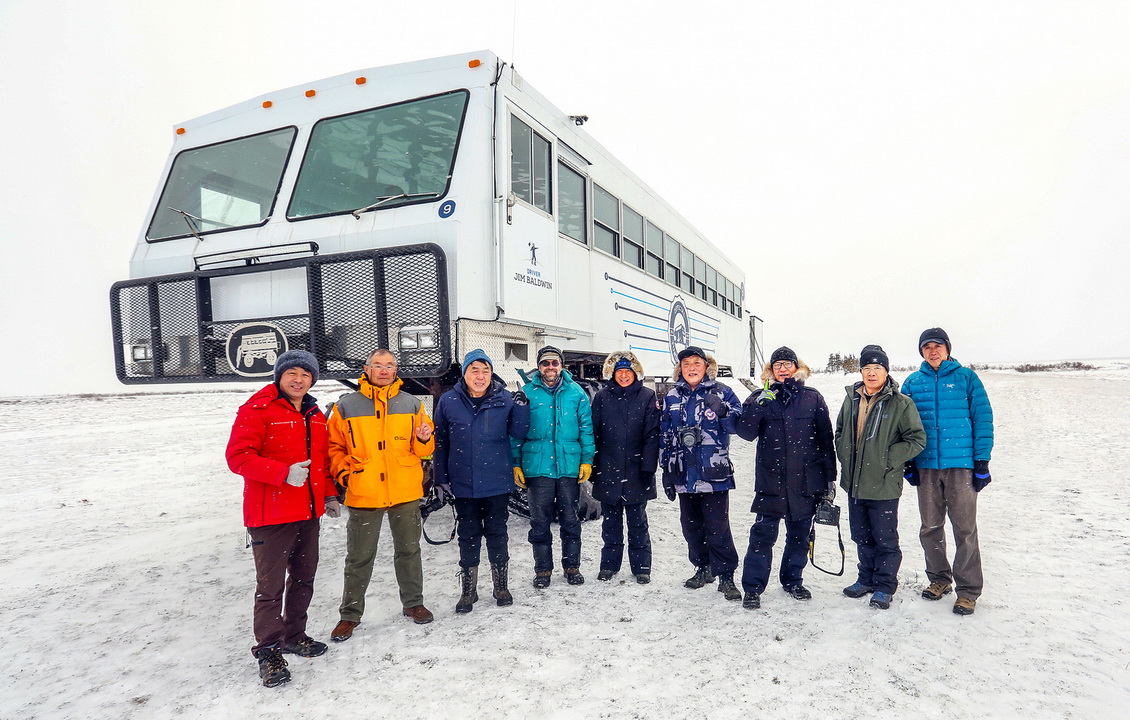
(519, 478)
(586, 472)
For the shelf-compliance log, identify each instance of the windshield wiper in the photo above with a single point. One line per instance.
(388, 198)
(192, 226)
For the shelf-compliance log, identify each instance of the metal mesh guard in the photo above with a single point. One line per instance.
(164, 331)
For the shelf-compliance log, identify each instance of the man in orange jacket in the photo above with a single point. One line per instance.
(378, 437)
(278, 445)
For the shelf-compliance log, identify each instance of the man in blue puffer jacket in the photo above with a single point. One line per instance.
(952, 469)
(552, 461)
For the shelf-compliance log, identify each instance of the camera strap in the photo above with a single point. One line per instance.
(812, 549)
(454, 524)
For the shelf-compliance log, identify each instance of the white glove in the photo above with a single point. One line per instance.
(333, 507)
(298, 473)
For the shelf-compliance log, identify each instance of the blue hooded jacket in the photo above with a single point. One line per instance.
(955, 412)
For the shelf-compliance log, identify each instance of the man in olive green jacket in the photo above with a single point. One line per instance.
(877, 431)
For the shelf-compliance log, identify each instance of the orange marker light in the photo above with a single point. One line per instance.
(474, 63)
(267, 103)
(180, 131)
(361, 80)
(311, 93)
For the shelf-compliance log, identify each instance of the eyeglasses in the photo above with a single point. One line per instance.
(783, 365)
(549, 363)
(378, 368)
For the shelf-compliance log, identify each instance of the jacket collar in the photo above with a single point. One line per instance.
(383, 394)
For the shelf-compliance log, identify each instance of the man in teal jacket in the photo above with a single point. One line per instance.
(952, 469)
(552, 461)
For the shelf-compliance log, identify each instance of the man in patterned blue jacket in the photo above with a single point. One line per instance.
(952, 469)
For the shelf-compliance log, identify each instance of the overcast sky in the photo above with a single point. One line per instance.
(875, 167)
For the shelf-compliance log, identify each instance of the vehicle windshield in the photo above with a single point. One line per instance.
(381, 158)
(229, 185)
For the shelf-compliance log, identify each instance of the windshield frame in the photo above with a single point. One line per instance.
(200, 232)
(373, 205)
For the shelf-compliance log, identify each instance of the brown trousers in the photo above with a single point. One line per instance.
(286, 557)
(950, 492)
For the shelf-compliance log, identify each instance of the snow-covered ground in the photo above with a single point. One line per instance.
(127, 591)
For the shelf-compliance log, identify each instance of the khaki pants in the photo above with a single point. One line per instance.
(362, 532)
(950, 492)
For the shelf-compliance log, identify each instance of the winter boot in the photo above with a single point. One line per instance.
(605, 575)
(964, 606)
(306, 647)
(272, 667)
(702, 576)
(502, 595)
(643, 578)
(881, 600)
(469, 584)
(936, 591)
(573, 576)
(728, 589)
(542, 578)
(798, 591)
(858, 590)
(752, 601)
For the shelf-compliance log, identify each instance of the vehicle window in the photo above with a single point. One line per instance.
(529, 165)
(380, 158)
(571, 203)
(228, 185)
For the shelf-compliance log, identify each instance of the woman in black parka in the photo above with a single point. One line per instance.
(796, 468)
(625, 423)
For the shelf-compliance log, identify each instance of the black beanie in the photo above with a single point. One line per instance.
(937, 335)
(549, 350)
(874, 355)
(784, 353)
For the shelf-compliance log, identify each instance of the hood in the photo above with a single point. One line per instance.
(613, 358)
(711, 370)
(803, 372)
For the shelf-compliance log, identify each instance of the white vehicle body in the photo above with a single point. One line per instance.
(325, 212)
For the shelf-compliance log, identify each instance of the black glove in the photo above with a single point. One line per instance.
(981, 476)
(713, 402)
(520, 398)
(910, 473)
(669, 486)
(648, 481)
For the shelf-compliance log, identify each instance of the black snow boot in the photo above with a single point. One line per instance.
(502, 595)
(752, 601)
(728, 589)
(702, 576)
(573, 576)
(469, 582)
(272, 667)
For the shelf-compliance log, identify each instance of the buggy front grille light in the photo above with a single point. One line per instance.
(420, 337)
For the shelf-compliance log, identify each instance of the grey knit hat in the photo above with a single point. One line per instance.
(296, 358)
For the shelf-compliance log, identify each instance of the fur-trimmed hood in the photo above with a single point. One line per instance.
(711, 369)
(617, 356)
(803, 372)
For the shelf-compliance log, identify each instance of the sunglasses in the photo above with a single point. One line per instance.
(549, 363)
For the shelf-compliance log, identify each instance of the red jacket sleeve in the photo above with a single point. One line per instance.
(245, 444)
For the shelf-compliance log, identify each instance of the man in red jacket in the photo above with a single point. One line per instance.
(279, 445)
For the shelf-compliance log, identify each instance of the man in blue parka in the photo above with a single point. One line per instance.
(952, 469)
(552, 461)
(476, 421)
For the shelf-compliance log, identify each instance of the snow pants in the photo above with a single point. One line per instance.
(286, 558)
(950, 491)
(550, 497)
(479, 518)
(874, 529)
(362, 531)
(759, 554)
(705, 518)
(612, 532)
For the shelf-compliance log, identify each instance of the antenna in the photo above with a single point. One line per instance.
(514, 33)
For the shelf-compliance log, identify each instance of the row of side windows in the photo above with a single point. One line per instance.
(617, 229)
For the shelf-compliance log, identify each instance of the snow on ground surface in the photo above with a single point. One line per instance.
(128, 590)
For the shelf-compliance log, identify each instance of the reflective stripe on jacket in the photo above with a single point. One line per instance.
(374, 451)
